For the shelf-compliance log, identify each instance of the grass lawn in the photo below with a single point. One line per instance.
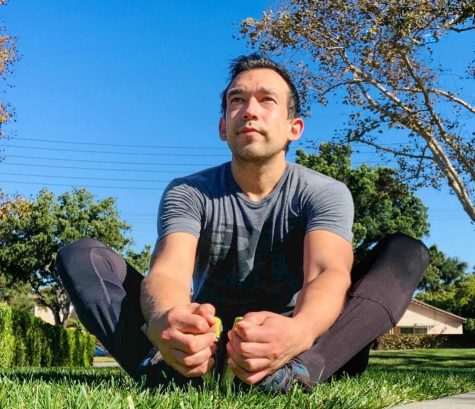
(394, 377)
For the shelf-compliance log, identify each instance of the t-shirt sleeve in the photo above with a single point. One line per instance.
(180, 210)
(329, 206)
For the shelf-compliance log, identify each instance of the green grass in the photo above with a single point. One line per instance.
(394, 377)
(429, 359)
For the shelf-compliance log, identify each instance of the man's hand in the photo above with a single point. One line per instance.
(185, 337)
(263, 342)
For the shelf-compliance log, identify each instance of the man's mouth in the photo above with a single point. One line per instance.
(248, 130)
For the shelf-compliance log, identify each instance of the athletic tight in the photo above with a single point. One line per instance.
(105, 292)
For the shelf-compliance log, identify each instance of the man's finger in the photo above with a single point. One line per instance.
(255, 333)
(188, 343)
(195, 371)
(188, 323)
(248, 349)
(207, 311)
(256, 318)
(250, 363)
(246, 376)
(192, 360)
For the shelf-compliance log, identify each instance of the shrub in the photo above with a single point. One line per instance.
(6, 336)
(469, 326)
(386, 342)
(28, 341)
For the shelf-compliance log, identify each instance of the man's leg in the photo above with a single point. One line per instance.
(105, 291)
(384, 283)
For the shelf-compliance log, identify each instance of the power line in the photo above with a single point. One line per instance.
(86, 178)
(119, 144)
(108, 162)
(84, 186)
(111, 152)
(41, 165)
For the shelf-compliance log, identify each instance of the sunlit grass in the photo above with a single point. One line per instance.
(392, 379)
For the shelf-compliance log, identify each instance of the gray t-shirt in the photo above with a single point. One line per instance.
(250, 254)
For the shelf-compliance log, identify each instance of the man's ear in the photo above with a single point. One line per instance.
(295, 129)
(222, 129)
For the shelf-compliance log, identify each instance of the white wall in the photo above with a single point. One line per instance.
(435, 321)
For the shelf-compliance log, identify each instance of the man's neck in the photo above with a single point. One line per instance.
(257, 180)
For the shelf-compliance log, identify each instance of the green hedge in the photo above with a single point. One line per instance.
(29, 341)
(386, 342)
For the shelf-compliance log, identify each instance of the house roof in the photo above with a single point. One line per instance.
(431, 307)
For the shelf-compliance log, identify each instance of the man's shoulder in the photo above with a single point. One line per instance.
(204, 180)
(308, 178)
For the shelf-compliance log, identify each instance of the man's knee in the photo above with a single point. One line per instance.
(410, 255)
(399, 242)
(396, 268)
(71, 252)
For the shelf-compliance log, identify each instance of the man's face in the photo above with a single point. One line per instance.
(256, 125)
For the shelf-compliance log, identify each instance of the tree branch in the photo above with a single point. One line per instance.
(331, 88)
(461, 30)
(453, 98)
(394, 151)
(439, 156)
(442, 93)
(428, 103)
(419, 167)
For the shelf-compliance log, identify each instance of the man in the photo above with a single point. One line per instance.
(260, 238)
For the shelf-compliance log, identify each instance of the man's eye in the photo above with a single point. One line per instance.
(235, 100)
(268, 99)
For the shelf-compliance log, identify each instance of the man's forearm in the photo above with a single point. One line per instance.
(160, 293)
(320, 302)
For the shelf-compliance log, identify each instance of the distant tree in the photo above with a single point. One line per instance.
(31, 233)
(383, 204)
(7, 57)
(18, 295)
(458, 298)
(141, 260)
(442, 272)
(444, 299)
(447, 285)
(377, 57)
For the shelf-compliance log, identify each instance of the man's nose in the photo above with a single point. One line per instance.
(251, 109)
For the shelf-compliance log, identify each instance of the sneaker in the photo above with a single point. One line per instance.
(155, 372)
(283, 379)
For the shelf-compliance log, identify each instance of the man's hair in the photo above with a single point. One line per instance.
(255, 61)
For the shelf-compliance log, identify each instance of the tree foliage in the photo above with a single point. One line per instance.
(377, 57)
(140, 260)
(32, 232)
(458, 298)
(17, 295)
(442, 272)
(447, 285)
(383, 204)
(7, 57)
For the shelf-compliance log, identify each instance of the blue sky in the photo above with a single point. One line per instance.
(121, 97)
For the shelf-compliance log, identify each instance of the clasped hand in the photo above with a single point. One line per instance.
(185, 337)
(262, 343)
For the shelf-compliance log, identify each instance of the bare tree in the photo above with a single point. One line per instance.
(377, 57)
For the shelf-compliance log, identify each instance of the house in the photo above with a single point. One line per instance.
(46, 314)
(422, 318)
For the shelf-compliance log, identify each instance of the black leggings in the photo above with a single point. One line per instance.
(105, 292)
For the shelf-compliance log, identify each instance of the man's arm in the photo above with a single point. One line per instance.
(181, 330)
(327, 278)
(264, 341)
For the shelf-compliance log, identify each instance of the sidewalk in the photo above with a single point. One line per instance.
(101, 362)
(464, 401)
